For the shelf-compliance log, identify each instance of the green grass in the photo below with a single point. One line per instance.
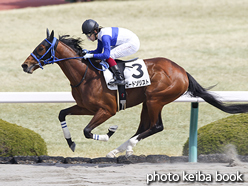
(216, 136)
(207, 38)
(19, 141)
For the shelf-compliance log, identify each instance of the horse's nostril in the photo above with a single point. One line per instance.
(24, 66)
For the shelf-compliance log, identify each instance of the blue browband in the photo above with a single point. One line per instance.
(54, 59)
(50, 60)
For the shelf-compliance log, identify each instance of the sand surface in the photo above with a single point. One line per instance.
(123, 174)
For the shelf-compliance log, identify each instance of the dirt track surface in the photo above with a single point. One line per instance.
(120, 174)
(135, 170)
(15, 4)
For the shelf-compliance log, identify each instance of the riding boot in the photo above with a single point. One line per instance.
(119, 78)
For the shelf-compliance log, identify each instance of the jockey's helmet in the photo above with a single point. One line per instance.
(89, 26)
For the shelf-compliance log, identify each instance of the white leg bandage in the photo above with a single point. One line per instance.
(132, 142)
(119, 149)
(122, 147)
(101, 137)
(127, 146)
(66, 131)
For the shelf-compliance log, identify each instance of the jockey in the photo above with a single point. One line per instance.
(114, 42)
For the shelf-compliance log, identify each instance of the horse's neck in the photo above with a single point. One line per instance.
(74, 69)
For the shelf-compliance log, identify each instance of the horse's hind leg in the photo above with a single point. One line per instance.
(154, 107)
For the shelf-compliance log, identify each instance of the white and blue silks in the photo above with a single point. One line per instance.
(115, 42)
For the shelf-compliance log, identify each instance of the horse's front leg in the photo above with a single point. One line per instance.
(146, 129)
(74, 110)
(129, 144)
(100, 116)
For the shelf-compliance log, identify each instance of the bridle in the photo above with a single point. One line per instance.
(52, 59)
(46, 59)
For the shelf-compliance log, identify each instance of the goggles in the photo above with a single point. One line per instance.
(89, 35)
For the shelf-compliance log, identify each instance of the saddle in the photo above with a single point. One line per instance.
(136, 75)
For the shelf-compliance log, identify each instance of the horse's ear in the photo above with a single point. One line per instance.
(48, 34)
(51, 36)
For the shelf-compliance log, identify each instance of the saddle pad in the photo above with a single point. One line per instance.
(135, 73)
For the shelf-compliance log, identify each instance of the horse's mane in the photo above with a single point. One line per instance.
(74, 43)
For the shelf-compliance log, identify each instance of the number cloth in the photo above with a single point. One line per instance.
(136, 75)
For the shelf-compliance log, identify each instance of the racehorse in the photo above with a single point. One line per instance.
(168, 82)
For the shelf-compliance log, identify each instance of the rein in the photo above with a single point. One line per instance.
(53, 59)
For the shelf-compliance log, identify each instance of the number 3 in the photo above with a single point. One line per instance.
(139, 70)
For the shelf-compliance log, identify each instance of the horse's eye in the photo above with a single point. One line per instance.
(40, 48)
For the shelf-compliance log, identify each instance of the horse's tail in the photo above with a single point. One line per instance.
(196, 90)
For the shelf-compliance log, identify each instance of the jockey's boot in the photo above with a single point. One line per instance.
(119, 78)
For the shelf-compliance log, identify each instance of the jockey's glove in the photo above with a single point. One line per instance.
(84, 51)
(86, 56)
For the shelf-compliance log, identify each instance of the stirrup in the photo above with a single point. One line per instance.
(117, 82)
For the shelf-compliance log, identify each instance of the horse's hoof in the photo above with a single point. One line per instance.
(73, 146)
(129, 153)
(113, 128)
(111, 155)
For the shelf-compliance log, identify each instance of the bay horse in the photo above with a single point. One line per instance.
(168, 82)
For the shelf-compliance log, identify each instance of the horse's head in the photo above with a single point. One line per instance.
(43, 54)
